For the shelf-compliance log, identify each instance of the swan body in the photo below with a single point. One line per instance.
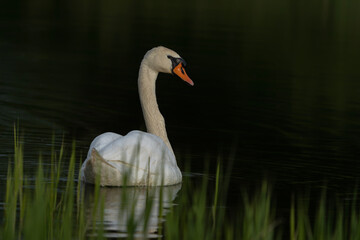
(139, 158)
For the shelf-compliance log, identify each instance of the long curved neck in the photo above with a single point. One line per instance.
(155, 123)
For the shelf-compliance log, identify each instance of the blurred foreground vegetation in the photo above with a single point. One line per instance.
(46, 212)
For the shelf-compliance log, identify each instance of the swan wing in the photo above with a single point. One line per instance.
(102, 141)
(138, 158)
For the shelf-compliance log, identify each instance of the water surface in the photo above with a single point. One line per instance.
(276, 83)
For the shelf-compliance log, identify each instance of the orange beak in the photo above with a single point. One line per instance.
(180, 71)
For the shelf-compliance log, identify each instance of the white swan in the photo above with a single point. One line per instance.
(139, 158)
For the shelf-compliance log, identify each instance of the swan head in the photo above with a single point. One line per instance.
(162, 59)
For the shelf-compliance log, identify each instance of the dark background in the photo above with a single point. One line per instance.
(276, 82)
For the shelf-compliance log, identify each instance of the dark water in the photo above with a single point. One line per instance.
(277, 81)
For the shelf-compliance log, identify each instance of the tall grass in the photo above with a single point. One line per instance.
(331, 221)
(41, 213)
(197, 216)
(200, 212)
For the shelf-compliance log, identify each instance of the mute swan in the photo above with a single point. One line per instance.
(139, 158)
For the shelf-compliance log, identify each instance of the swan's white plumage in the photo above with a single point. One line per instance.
(138, 158)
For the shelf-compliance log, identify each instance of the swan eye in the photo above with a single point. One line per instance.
(177, 61)
(174, 61)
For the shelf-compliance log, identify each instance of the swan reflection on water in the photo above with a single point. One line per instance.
(125, 209)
